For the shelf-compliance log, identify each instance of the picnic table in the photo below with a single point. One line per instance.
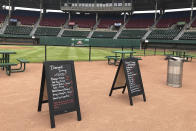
(6, 56)
(179, 53)
(123, 53)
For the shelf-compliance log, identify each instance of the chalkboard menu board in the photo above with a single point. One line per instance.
(128, 75)
(58, 80)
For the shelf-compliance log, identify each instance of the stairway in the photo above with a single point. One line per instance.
(35, 27)
(151, 29)
(94, 28)
(184, 29)
(121, 29)
(5, 24)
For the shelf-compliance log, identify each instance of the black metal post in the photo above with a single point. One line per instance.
(132, 48)
(89, 53)
(144, 52)
(155, 51)
(164, 51)
(45, 52)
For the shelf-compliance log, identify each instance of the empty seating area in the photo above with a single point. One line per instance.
(103, 34)
(18, 30)
(53, 19)
(3, 14)
(141, 20)
(47, 31)
(190, 35)
(71, 33)
(132, 34)
(171, 18)
(84, 21)
(26, 17)
(106, 21)
(167, 34)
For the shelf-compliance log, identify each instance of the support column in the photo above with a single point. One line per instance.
(77, 3)
(124, 17)
(9, 8)
(192, 5)
(41, 6)
(69, 17)
(97, 17)
(155, 16)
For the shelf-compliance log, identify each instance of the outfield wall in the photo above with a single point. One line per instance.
(93, 42)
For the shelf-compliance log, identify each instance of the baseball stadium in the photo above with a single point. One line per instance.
(63, 64)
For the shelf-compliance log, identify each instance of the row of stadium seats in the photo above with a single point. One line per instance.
(125, 34)
(18, 30)
(189, 36)
(103, 34)
(108, 20)
(84, 21)
(3, 14)
(168, 34)
(88, 21)
(140, 21)
(171, 18)
(47, 31)
(69, 33)
(26, 17)
(132, 34)
(53, 19)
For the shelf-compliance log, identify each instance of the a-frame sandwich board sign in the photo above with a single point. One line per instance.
(128, 75)
(59, 89)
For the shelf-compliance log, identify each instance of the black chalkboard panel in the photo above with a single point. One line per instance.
(59, 79)
(128, 75)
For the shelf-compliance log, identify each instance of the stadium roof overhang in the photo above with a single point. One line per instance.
(139, 5)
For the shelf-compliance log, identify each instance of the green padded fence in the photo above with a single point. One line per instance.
(93, 42)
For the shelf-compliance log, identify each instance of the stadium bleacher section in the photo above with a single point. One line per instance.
(71, 33)
(47, 31)
(132, 34)
(84, 21)
(107, 20)
(135, 28)
(189, 35)
(18, 30)
(3, 14)
(140, 20)
(53, 19)
(171, 18)
(167, 34)
(26, 17)
(103, 34)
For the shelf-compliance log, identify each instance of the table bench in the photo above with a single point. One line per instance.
(114, 58)
(138, 58)
(8, 67)
(22, 65)
(186, 57)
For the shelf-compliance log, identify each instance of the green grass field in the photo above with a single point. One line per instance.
(36, 54)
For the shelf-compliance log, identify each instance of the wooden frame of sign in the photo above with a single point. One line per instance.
(59, 89)
(128, 75)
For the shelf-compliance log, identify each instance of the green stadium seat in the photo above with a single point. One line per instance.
(132, 34)
(164, 34)
(191, 35)
(18, 30)
(70, 33)
(47, 31)
(103, 34)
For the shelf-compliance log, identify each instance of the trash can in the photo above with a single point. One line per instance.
(174, 71)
